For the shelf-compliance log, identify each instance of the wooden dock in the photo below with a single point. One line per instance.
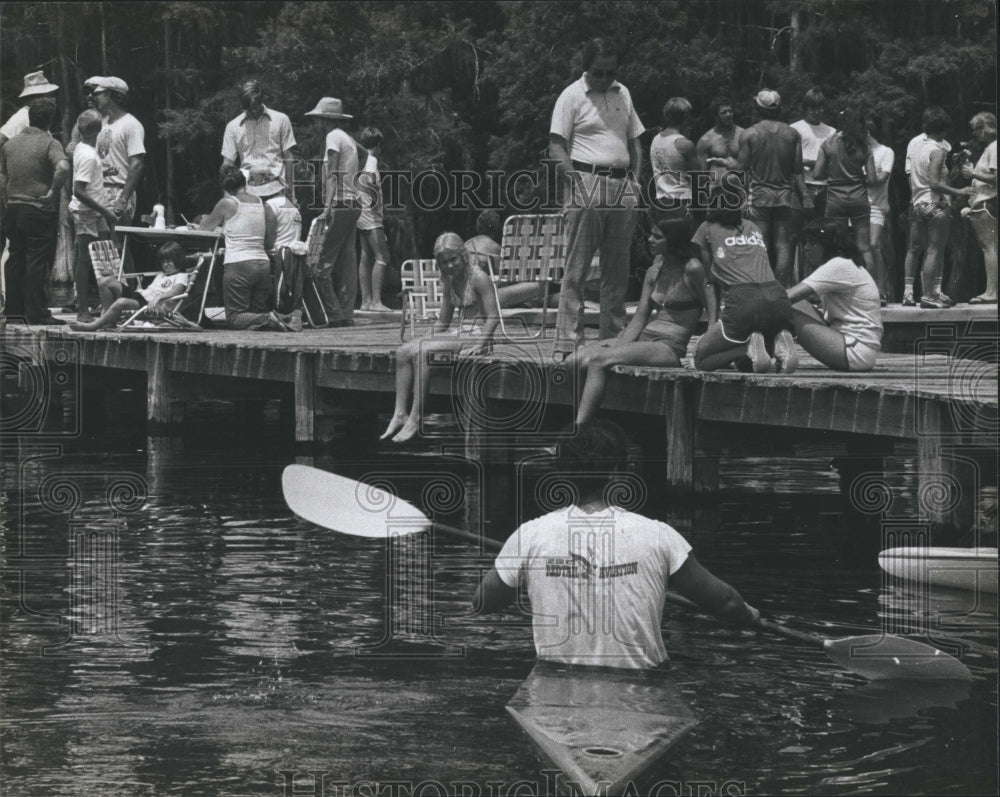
(946, 405)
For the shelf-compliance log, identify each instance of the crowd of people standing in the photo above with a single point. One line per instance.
(749, 253)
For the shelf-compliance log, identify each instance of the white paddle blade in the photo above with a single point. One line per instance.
(880, 658)
(348, 506)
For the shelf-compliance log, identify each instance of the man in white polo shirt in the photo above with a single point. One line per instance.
(594, 139)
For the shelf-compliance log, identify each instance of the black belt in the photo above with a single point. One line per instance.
(606, 171)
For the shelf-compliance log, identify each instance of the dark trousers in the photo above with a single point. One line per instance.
(32, 236)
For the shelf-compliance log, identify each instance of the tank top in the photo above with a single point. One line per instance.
(245, 232)
(669, 168)
(845, 172)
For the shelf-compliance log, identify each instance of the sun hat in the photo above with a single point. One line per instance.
(263, 183)
(329, 108)
(36, 83)
(767, 99)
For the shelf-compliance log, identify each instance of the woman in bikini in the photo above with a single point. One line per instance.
(467, 289)
(669, 308)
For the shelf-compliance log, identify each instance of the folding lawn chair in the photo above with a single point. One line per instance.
(423, 294)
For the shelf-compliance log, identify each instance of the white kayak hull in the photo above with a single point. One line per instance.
(956, 568)
(602, 728)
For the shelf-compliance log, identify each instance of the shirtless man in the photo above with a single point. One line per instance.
(719, 149)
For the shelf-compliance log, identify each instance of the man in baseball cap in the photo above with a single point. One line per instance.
(771, 157)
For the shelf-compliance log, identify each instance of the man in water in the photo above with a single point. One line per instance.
(596, 573)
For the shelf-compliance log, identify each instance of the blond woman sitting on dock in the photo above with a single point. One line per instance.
(848, 334)
(120, 300)
(466, 288)
(669, 309)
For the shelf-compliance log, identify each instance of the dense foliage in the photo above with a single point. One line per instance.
(470, 85)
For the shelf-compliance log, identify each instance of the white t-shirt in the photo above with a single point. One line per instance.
(850, 297)
(340, 142)
(597, 125)
(918, 161)
(370, 194)
(878, 196)
(161, 284)
(289, 221)
(987, 162)
(87, 169)
(813, 137)
(597, 583)
(17, 122)
(116, 143)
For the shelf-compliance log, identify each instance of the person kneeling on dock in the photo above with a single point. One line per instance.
(121, 300)
(755, 316)
(673, 290)
(466, 288)
(848, 336)
(251, 229)
(597, 575)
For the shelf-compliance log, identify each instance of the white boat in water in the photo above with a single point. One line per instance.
(957, 568)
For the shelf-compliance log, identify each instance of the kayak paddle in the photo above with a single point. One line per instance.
(364, 510)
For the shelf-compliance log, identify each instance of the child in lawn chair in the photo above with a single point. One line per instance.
(120, 299)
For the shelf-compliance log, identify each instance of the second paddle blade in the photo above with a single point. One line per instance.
(348, 506)
(880, 657)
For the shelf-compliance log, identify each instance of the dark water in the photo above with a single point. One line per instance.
(169, 628)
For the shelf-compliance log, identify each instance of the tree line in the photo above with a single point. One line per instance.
(457, 85)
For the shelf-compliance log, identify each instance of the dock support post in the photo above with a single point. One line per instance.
(947, 483)
(680, 439)
(159, 405)
(305, 397)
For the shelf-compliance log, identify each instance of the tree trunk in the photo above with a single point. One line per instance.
(166, 104)
(795, 45)
(62, 268)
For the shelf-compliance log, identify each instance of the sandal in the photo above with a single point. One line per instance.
(982, 300)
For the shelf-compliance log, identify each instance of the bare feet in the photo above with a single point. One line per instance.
(93, 326)
(378, 307)
(411, 428)
(365, 306)
(398, 419)
(84, 318)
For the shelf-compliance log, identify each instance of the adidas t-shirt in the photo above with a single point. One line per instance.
(736, 255)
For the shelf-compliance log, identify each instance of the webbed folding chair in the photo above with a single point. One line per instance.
(423, 294)
(294, 285)
(533, 249)
(175, 313)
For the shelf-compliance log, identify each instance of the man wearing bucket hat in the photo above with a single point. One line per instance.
(771, 158)
(35, 85)
(337, 275)
(261, 140)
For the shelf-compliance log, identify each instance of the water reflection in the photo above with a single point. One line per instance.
(234, 653)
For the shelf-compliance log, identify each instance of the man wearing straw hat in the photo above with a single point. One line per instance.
(261, 139)
(35, 85)
(337, 275)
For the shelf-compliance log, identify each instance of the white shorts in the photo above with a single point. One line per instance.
(877, 217)
(860, 356)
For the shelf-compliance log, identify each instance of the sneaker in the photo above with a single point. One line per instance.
(933, 303)
(946, 299)
(908, 300)
(785, 354)
(757, 352)
(295, 321)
